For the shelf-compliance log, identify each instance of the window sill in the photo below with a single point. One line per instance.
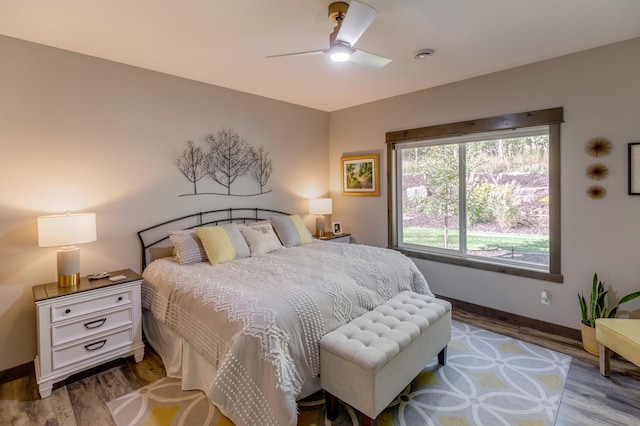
(492, 267)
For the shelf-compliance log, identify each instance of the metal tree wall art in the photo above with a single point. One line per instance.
(191, 164)
(262, 168)
(227, 158)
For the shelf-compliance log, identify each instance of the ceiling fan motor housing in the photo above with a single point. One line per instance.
(337, 11)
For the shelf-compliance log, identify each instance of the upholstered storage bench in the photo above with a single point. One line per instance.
(367, 362)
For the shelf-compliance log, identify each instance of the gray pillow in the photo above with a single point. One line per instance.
(189, 248)
(291, 230)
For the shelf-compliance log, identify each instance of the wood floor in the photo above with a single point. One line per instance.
(588, 398)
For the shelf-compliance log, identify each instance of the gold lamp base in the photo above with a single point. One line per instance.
(68, 280)
(320, 233)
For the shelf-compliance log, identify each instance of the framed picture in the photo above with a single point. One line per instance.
(337, 228)
(360, 175)
(634, 168)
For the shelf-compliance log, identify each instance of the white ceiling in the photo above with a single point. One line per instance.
(225, 42)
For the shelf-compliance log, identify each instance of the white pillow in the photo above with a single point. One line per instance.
(261, 238)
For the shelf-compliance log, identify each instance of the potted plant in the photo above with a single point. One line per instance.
(597, 308)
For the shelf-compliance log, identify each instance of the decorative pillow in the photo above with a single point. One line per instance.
(223, 243)
(188, 247)
(291, 230)
(161, 252)
(261, 238)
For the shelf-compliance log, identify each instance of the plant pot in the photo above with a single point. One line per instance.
(589, 342)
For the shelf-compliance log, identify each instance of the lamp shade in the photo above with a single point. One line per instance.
(66, 229)
(320, 206)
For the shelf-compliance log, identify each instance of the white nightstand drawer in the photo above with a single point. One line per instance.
(90, 326)
(75, 309)
(91, 348)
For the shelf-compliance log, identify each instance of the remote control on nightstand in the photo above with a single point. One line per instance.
(118, 278)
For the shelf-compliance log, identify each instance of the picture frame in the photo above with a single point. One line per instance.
(360, 175)
(634, 168)
(336, 228)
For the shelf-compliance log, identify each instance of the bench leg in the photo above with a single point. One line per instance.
(442, 356)
(605, 356)
(331, 403)
(368, 421)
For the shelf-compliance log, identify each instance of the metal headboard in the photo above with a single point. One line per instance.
(156, 234)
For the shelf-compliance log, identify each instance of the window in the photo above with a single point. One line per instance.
(487, 198)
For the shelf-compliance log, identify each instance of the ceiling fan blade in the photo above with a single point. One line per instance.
(368, 60)
(310, 52)
(359, 17)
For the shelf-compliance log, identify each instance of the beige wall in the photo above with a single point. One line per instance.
(83, 134)
(600, 92)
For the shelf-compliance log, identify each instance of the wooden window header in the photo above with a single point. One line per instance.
(499, 122)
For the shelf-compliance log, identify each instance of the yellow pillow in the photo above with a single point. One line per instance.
(223, 243)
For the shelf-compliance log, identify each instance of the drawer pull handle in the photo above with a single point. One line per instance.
(120, 299)
(66, 311)
(96, 345)
(95, 324)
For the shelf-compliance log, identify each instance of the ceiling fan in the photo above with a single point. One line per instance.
(351, 20)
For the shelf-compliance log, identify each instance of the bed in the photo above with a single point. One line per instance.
(245, 330)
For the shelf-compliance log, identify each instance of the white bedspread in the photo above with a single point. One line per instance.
(259, 320)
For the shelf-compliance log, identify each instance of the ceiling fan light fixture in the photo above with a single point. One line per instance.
(340, 52)
(340, 56)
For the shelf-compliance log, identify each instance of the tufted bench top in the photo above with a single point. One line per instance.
(375, 337)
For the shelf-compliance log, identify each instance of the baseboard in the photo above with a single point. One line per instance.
(515, 319)
(17, 372)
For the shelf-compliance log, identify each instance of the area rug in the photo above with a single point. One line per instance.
(489, 379)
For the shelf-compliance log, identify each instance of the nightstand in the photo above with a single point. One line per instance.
(86, 325)
(342, 238)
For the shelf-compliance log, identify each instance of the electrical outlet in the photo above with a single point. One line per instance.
(545, 297)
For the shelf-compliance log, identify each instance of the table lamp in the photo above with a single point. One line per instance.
(320, 207)
(66, 230)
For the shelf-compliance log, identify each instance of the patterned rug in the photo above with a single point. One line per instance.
(489, 379)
